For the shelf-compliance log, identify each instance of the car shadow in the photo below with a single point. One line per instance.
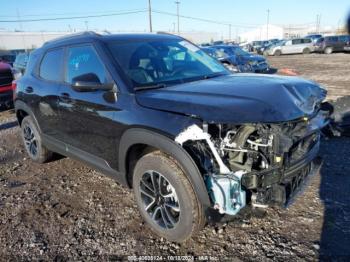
(272, 71)
(8, 125)
(335, 194)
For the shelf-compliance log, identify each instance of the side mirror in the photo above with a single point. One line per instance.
(86, 86)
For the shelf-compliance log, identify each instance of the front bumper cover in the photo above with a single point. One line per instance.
(280, 185)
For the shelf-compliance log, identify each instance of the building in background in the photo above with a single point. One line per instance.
(262, 32)
(284, 32)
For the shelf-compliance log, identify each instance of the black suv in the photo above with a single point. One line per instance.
(156, 113)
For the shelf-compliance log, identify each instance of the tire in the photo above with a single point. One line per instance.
(341, 115)
(306, 51)
(277, 53)
(33, 143)
(328, 50)
(176, 217)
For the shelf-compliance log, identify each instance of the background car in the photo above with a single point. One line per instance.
(330, 44)
(238, 60)
(293, 46)
(347, 46)
(314, 37)
(21, 61)
(266, 45)
(6, 90)
(7, 58)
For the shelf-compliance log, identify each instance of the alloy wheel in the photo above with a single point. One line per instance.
(30, 140)
(159, 199)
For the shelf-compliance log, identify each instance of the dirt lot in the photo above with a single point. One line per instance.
(64, 211)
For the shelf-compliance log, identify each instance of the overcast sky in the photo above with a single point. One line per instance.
(241, 14)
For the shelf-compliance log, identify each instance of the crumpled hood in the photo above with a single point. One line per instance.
(242, 60)
(238, 98)
(252, 58)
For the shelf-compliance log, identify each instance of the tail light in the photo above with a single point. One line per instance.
(13, 87)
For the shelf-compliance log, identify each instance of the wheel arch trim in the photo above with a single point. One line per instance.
(165, 144)
(20, 105)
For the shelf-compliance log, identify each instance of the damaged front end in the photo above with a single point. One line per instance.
(260, 164)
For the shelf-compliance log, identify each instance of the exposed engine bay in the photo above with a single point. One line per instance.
(260, 164)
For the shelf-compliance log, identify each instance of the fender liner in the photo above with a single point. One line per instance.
(168, 146)
(20, 105)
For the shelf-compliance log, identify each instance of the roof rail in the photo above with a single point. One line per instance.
(69, 36)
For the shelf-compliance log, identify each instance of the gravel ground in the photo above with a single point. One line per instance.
(64, 211)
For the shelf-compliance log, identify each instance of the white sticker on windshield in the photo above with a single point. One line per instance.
(189, 46)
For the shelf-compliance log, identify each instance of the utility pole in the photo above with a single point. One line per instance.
(150, 15)
(267, 25)
(178, 16)
(87, 25)
(229, 32)
(21, 28)
(319, 23)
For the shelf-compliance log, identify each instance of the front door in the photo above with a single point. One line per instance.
(87, 116)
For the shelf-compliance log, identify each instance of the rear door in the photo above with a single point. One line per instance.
(297, 46)
(343, 39)
(287, 47)
(42, 91)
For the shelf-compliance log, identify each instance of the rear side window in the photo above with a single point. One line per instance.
(333, 39)
(344, 38)
(306, 40)
(51, 65)
(296, 41)
(85, 65)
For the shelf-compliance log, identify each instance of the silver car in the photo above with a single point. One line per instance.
(293, 46)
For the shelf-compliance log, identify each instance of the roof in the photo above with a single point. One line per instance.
(86, 36)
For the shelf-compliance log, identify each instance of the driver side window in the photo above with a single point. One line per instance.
(83, 64)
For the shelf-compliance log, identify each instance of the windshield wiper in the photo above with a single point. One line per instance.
(138, 88)
(213, 75)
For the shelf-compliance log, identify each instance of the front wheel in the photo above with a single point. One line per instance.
(277, 53)
(328, 50)
(306, 51)
(165, 197)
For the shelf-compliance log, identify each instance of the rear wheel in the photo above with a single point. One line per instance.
(277, 53)
(165, 197)
(306, 51)
(328, 50)
(32, 141)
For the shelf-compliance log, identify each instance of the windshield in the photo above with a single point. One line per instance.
(163, 62)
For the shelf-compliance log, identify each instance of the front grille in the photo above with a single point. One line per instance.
(6, 77)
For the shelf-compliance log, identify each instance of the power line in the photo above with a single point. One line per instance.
(74, 13)
(71, 17)
(204, 20)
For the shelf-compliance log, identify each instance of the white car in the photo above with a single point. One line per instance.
(293, 46)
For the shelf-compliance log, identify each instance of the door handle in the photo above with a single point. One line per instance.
(29, 89)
